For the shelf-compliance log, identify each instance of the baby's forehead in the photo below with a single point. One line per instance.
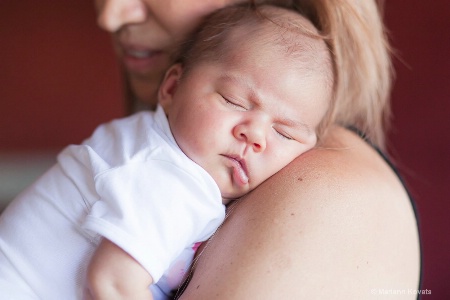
(286, 36)
(281, 34)
(294, 41)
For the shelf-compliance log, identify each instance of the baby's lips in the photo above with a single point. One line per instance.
(239, 174)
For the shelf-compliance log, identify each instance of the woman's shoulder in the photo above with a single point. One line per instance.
(335, 223)
(345, 173)
(347, 162)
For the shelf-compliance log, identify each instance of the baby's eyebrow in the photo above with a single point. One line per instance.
(242, 82)
(296, 124)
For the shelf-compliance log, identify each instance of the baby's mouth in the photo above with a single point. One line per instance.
(240, 173)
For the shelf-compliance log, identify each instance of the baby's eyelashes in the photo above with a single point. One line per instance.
(282, 134)
(234, 104)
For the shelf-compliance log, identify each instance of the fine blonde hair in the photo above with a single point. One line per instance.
(356, 36)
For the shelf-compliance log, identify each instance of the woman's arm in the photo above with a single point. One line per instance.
(334, 224)
(113, 274)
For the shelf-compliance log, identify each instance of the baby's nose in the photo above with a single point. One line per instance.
(253, 134)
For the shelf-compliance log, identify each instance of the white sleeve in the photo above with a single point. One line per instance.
(153, 210)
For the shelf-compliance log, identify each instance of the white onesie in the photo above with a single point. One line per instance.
(130, 183)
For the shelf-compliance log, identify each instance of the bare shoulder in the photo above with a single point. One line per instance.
(335, 223)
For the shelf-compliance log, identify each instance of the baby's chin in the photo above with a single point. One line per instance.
(230, 197)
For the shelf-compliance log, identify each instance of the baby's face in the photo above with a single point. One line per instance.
(244, 119)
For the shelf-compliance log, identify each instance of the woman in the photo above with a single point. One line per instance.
(335, 223)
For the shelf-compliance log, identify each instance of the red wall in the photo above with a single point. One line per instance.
(58, 74)
(59, 79)
(420, 32)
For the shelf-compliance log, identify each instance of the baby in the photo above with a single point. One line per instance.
(126, 209)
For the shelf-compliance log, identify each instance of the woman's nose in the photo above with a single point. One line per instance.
(113, 14)
(253, 134)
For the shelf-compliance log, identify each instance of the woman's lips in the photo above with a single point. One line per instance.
(139, 53)
(141, 60)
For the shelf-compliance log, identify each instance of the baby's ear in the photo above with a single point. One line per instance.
(169, 85)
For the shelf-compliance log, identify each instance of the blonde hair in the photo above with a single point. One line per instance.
(363, 73)
(360, 54)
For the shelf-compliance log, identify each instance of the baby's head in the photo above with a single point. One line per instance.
(249, 95)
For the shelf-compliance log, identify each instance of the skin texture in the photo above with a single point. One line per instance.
(334, 224)
(113, 274)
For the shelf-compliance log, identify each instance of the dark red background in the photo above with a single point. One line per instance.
(420, 32)
(59, 79)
